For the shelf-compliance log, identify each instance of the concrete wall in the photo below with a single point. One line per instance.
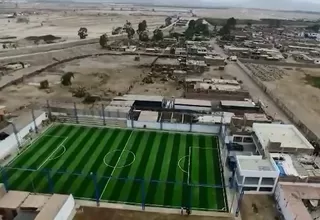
(55, 46)
(47, 47)
(7, 146)
(282, 203)
(212, 129)
(279, 63)
(10, 144)
(66, 209)
(145, 124)
(209, 95)
(175, 127)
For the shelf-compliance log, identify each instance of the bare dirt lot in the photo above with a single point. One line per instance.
(90, 213)
(298, 95)
(260, 207)
(105, 76)
(63, 20)
(63, 23)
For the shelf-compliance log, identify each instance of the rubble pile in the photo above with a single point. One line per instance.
(266, 72)
(163, 74)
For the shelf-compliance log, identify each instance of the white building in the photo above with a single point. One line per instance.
(280, 138)
(298, 201)
(256, 175)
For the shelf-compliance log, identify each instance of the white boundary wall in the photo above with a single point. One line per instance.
(212, 129)
(66, 209)
(9, 144)
(282, 203)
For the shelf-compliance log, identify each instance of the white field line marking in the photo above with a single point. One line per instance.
(205, 148)
(180, 165)
(57, 148)
(55, 136)
(56, 157)
(126, 165)
(189, 165)
(125, 146)
(222, 173)
(30, 144)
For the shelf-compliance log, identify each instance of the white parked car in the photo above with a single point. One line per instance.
(233, 58)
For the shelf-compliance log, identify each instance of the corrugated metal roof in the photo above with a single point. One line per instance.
(247, 104)
(133, 97)
(194, 102)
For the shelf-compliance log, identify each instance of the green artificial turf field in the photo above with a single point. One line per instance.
(151, 167)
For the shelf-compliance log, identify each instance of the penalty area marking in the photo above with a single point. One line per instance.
(180, 165)
(56, 157)
(57, 148)
(115, 167)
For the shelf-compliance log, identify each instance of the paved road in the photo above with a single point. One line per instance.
(255, 91)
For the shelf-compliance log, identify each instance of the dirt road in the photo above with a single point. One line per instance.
(255, 91)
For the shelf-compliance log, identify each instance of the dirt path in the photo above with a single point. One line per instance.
(89, 213)
(255, 91)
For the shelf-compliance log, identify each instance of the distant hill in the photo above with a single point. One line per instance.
(290, 5)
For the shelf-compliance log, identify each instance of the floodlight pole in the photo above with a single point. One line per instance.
(15, 134)
(103, 114)
(34, 121)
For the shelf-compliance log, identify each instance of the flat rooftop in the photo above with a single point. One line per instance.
(13, 199)
(35, 201)
(168, 61)
(212, 80)
(255, 163)
(148, 116)
(217, 87)
(287, 135)
(246, 104)
(256, 117)
(294, 193)
(52, 207)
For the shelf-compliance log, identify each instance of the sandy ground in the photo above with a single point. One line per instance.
(106, 76)
(66, 25)
(265, 208)
(89, 213)
(64, 20)
(302, 98)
